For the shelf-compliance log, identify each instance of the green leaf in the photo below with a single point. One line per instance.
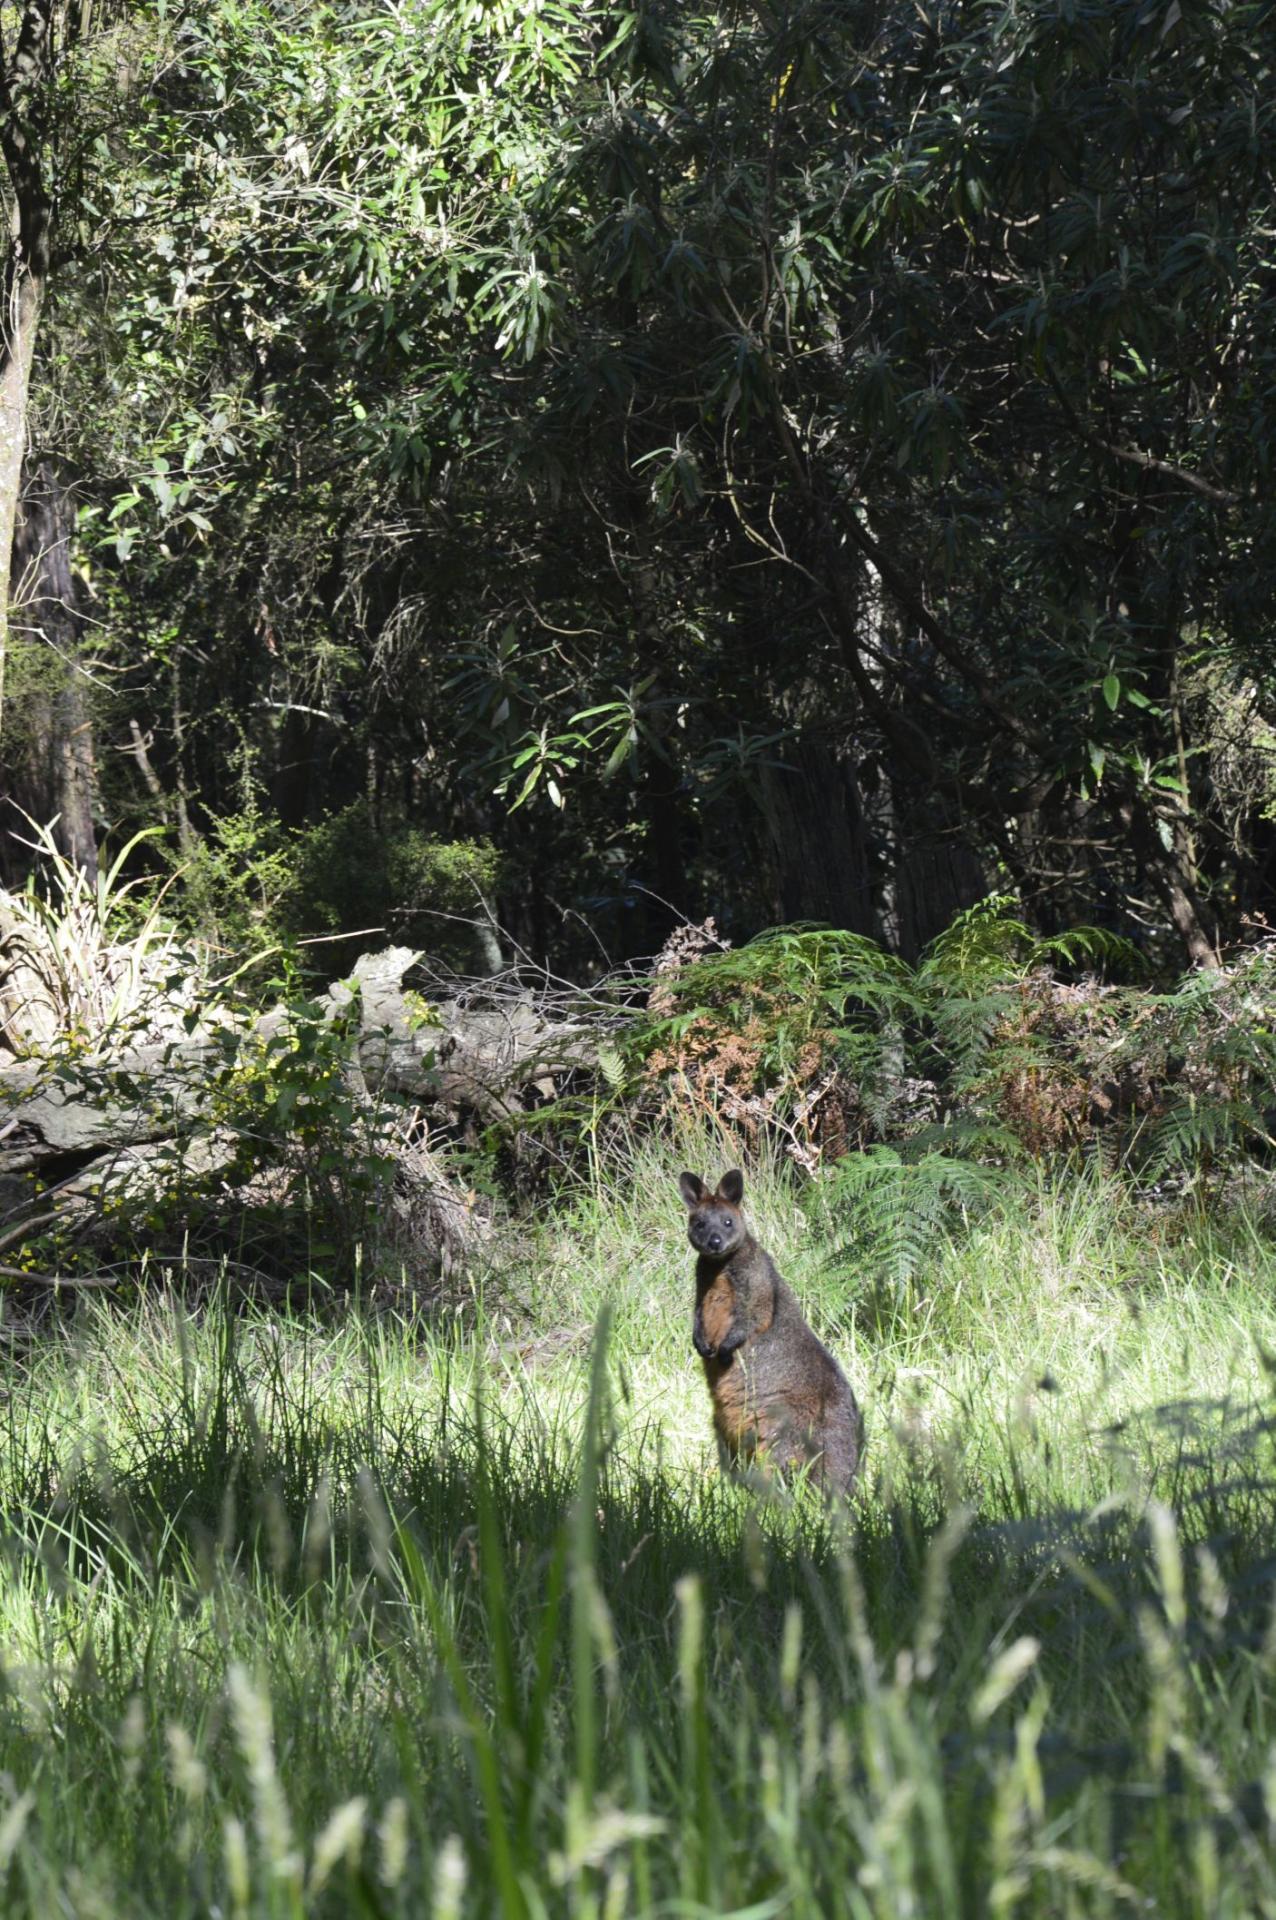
(621, 752)
(528, 786)
(1112, 691)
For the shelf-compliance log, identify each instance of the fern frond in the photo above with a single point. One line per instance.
(890, 1209)
(979, 945)
(1091, 945)
(612, 1067)
(1198, 1130)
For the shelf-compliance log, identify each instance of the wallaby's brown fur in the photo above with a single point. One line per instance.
(777, 1391)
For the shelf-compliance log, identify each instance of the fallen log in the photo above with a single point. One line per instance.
(86, 1134)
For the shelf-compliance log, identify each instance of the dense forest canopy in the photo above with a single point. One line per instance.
(590, 465)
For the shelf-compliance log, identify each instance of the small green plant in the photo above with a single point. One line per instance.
(236, 882)
(311, 1138)
(886, 1208)
(1209, 1049)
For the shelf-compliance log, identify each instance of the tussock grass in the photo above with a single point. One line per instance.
(395, 1618)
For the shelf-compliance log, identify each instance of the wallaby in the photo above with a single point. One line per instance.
(778, 1393)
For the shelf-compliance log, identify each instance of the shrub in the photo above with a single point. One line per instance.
(237, 881)
(349, 874)
(253, 886)
(794, 1033)
(911, 1093)
(85, 963)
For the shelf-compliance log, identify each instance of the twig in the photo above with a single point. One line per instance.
(1136, 458)
(76, 1280)
(25, 1227)
(325, 939)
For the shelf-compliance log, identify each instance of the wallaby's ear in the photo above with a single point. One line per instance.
(692, 1188)
(731, 1187)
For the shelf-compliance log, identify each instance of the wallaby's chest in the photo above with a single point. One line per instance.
(727, 1305)
(718, 1306)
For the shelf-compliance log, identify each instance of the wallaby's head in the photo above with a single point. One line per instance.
(715, 1225)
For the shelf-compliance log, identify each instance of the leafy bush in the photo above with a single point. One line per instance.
(1002, 1034)
(824, 1036)
(911, 1093)
(1200, 1065)
(313, 1144)
(794, 1032)
(237, 881)
(348, 874)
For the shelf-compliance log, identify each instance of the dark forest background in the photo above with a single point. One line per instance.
(573, 467)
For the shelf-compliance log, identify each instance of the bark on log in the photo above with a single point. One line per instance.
(124, 1126)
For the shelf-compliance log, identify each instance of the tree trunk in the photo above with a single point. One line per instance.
(50, 755)
(25, 293)
(664, 902)
(939, 876)
(45, 28)
(816, 822)
(1166, 869)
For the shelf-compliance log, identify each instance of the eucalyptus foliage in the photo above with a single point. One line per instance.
(806, 462)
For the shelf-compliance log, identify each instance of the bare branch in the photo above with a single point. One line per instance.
(1147, 461)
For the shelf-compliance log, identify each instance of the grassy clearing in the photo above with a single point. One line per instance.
(288, 1628)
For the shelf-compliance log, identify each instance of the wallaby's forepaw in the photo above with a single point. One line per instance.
(736, 1338)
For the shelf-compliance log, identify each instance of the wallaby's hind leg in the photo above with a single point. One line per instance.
(843, 1442)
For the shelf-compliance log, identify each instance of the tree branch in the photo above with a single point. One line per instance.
(1147, 461)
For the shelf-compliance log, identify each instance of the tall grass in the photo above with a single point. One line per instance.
(395, 1618)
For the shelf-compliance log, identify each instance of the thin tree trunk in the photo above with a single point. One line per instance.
(185, 833)
(1184, 910)
(20, 323)
(50, 754)
(1165, 869)
(665, 900)
(27, 75)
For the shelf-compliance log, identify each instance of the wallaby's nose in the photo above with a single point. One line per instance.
(715, 1243)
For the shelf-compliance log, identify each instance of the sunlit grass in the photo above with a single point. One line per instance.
(295, 1619)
